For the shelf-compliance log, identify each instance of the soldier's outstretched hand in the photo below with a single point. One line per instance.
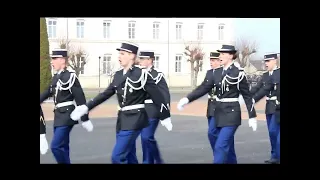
(167, 123)
(253, 123)
(43, 144)
(182, 103)
(87, 125)
(78, 112)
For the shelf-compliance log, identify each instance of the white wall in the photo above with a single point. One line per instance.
(166, 46)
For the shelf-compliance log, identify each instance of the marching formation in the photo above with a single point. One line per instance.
(144, 102)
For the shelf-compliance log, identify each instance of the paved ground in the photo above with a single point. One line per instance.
(187, 143)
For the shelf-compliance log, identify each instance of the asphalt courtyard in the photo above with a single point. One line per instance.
(187, 143)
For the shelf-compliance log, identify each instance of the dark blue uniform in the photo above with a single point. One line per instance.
(229, 83)
(269, 86)
(65, 89)
(132, 89)
(151, 153)
(212, 130)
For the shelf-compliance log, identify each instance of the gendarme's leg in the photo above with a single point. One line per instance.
(123, 146)
(60, 144)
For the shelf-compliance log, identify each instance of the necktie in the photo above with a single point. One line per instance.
(224, 72)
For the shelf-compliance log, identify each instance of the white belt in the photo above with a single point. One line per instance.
(136, 106)
(68, 103)
(148, 101)
(227, 99)
(271, 98)
(212, 97)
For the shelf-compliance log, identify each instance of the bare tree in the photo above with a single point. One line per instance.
(78, 57)
(109, 69)
(245, 48)
(194, 54)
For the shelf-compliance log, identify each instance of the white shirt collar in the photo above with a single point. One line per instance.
(148, 68)
(271, 72)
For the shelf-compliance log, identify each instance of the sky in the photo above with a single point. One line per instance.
(265, 31)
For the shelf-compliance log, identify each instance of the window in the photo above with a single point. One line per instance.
(177, 67)
(178, 31)
(52, 28)
(220, 32)
(80, 28)
(106, 65)
(132, 29)
(106, 29)
(200, 68)
(82, 64)
(156, 61)
(200, 31)
(156, 29)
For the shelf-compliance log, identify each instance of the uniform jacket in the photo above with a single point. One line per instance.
(227, 113)
(158, 77)
(211, 99)
(42, 123)
(72, 91)
(133, 88)
(268, 86)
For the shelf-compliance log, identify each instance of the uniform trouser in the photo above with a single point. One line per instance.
(222, 142)
(278, 146)
(150, 150)
(123, 152)
(60, 144)
(274, 130)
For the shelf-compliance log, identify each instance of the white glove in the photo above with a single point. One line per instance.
(182, 103)
(167, 123)
(87, 125)
(241, 100)
(43, 144)
(78, 112)
(253, 123)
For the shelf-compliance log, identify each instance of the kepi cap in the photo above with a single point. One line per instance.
(146, 54)
(129, 47)
(59, 53)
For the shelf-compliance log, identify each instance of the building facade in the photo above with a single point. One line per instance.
(168, 37)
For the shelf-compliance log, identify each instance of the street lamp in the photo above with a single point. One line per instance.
(99, 72)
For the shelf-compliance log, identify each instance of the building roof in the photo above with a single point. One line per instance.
(258, 64)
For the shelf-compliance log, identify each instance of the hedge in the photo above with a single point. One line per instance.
(45, 69)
